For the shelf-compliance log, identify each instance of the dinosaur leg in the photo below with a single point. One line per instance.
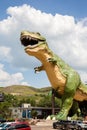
(66, 105)
(67, 99)
(75, 111)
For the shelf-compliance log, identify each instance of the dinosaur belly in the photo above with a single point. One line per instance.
(56, 78)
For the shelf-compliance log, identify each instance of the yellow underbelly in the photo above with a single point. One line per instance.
(55, 77)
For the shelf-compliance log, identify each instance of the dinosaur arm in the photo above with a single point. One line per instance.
(39, 68)
(52, 60)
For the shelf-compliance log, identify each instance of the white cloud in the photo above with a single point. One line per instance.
(83, 76)
(3, 75)
(7, 79)
(65, 37)
(5, 54)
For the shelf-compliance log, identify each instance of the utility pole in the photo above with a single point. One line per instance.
(53, 102)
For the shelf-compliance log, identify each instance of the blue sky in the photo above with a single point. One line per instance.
(76, 8)
(62, 22)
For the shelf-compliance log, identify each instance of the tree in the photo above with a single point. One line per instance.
(34, 113)
(46, 101)
(27, 100)
(11, 99)
(4, 109)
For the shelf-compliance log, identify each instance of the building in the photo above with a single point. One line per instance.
(26, 110)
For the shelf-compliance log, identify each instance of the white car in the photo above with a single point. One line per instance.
(82, 125)
(5, 125)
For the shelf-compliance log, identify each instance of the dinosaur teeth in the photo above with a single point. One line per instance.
(30, 38)
(27, 40)
(27, 37)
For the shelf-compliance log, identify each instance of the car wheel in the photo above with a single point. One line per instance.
(54, 127)
(79, 128)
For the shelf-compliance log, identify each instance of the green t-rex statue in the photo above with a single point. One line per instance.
(64, 80)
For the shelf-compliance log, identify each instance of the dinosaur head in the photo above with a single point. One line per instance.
(34, 43)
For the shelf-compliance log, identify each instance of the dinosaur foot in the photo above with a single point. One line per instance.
(61, 116)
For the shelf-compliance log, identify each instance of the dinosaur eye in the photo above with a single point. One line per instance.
(38, 33)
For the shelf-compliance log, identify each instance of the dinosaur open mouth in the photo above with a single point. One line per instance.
(27, 40)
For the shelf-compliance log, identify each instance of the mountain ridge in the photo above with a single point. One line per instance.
(23, 90)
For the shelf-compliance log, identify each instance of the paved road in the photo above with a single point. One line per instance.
(43, 125)
(34, 127)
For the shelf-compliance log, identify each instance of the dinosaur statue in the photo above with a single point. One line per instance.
(64, 80)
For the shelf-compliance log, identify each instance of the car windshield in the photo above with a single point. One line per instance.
(5, 125)
(2, 124)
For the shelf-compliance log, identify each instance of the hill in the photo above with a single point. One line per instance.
(21, 90)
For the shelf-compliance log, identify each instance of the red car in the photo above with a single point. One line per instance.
(19, 126)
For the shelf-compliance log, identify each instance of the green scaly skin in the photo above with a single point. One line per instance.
(64, 80)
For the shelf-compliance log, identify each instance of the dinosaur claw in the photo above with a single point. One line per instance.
(36, 70)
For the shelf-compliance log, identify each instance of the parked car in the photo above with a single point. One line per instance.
(82, 125)
(57, 124)
(4, 126)
(19, 126)
(67, 124)
(62, 124)
(1, 125)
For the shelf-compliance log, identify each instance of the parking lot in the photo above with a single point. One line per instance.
(34, 127)
(63, 124)
(43, 125)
